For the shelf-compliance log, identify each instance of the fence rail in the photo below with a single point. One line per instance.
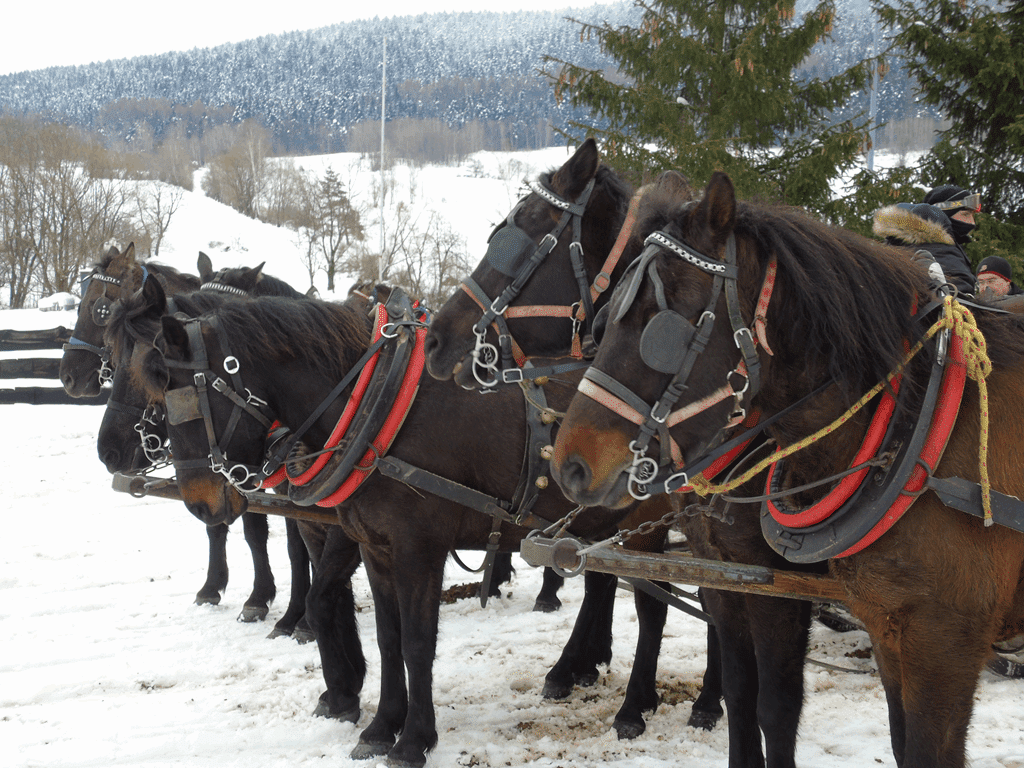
(38, 368)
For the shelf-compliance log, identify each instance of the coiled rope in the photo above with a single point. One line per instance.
(959, 320)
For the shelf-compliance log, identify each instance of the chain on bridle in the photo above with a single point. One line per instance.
(513, 252)
(671, 344)
(192, 402)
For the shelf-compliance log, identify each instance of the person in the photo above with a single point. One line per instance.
(995, 278)
(929, 231)
(960, 206)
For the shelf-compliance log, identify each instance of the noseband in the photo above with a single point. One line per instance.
(671, 344)
(513, 252)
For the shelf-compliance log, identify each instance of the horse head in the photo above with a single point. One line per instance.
(547, 258)
(85, 364)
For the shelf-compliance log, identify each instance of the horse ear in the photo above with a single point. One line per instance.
(256, 273)
(129, 252)
(572, 178)
(205, 267)
(175, 338)
(719, 204)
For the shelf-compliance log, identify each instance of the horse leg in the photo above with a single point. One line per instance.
(331, 614)
(547, 599)
(298, 557)
(889, 671)
(938, 695)
(641, 691)
(419, 598)
(217, 570)
(501, 574)
(707, 707)
(738, 676)
(257, 531)
(590, 643)
(780, 629)
(378, 737)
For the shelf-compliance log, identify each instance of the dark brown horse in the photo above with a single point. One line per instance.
(763, 640)
(290, 354)
(935, 587)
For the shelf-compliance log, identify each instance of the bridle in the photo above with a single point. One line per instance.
(513, 252)
(671, 344)
(192, 402)
(100, 314)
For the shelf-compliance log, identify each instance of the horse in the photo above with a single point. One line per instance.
(289, 356)
(132, 437)
(737, 305)
(763, 640)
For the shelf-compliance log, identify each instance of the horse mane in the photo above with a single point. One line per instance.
(845, 301)
(328, 335)
(268, 285)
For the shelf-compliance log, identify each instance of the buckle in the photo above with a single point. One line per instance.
(512, 375)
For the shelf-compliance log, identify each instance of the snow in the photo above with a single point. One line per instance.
(107, 662)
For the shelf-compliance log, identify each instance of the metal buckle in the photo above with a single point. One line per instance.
(512, 375)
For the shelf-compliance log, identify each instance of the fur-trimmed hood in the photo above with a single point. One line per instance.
(908, 228)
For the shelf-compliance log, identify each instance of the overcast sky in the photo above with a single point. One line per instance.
(59, 32)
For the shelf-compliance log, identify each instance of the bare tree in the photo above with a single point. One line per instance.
(155, 204)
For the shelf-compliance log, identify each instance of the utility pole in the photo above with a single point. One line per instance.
(383, 92)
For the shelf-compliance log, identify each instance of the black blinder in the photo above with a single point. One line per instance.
(601, 322)
(507, 248)
(182, 405)
(665, 340)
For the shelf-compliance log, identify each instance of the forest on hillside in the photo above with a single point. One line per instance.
(478, 76)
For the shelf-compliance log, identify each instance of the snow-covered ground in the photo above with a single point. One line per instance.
(106, 661)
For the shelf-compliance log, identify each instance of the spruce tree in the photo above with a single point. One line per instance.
(704, 86)
(968, 60)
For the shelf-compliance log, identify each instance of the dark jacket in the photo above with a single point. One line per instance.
(900, 226)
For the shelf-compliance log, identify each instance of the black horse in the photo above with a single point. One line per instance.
(289, 355)
(132, 437)
(763, 640)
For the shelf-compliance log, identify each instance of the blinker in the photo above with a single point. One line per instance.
(665, 340)
(507, 248)
(182, 405)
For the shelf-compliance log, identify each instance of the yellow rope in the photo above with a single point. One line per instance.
(962, 323)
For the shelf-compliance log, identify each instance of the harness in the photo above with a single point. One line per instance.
(671, 344)
(513, 253)
(100, 313)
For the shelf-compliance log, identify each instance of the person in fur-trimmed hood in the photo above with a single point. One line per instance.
(924, 227)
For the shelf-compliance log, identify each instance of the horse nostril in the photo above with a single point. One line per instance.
(575, 475)
(112, 460)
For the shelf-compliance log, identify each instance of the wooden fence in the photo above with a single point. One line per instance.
(38, 368)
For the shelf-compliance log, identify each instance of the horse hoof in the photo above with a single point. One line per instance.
(252, 613)
(704, 720)
(1006, 668)
(323, 709)
(397, 762)
(547, 606)
(213, 599)
(837, 618)
(627, 730)
(303, 636)
(553, 690)
(364, 750)
(277, 632)
(586, 679)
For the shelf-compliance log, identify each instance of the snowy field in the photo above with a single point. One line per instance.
(107, 662)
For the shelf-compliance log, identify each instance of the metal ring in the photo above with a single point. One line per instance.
(562, 546)
(231, 364)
